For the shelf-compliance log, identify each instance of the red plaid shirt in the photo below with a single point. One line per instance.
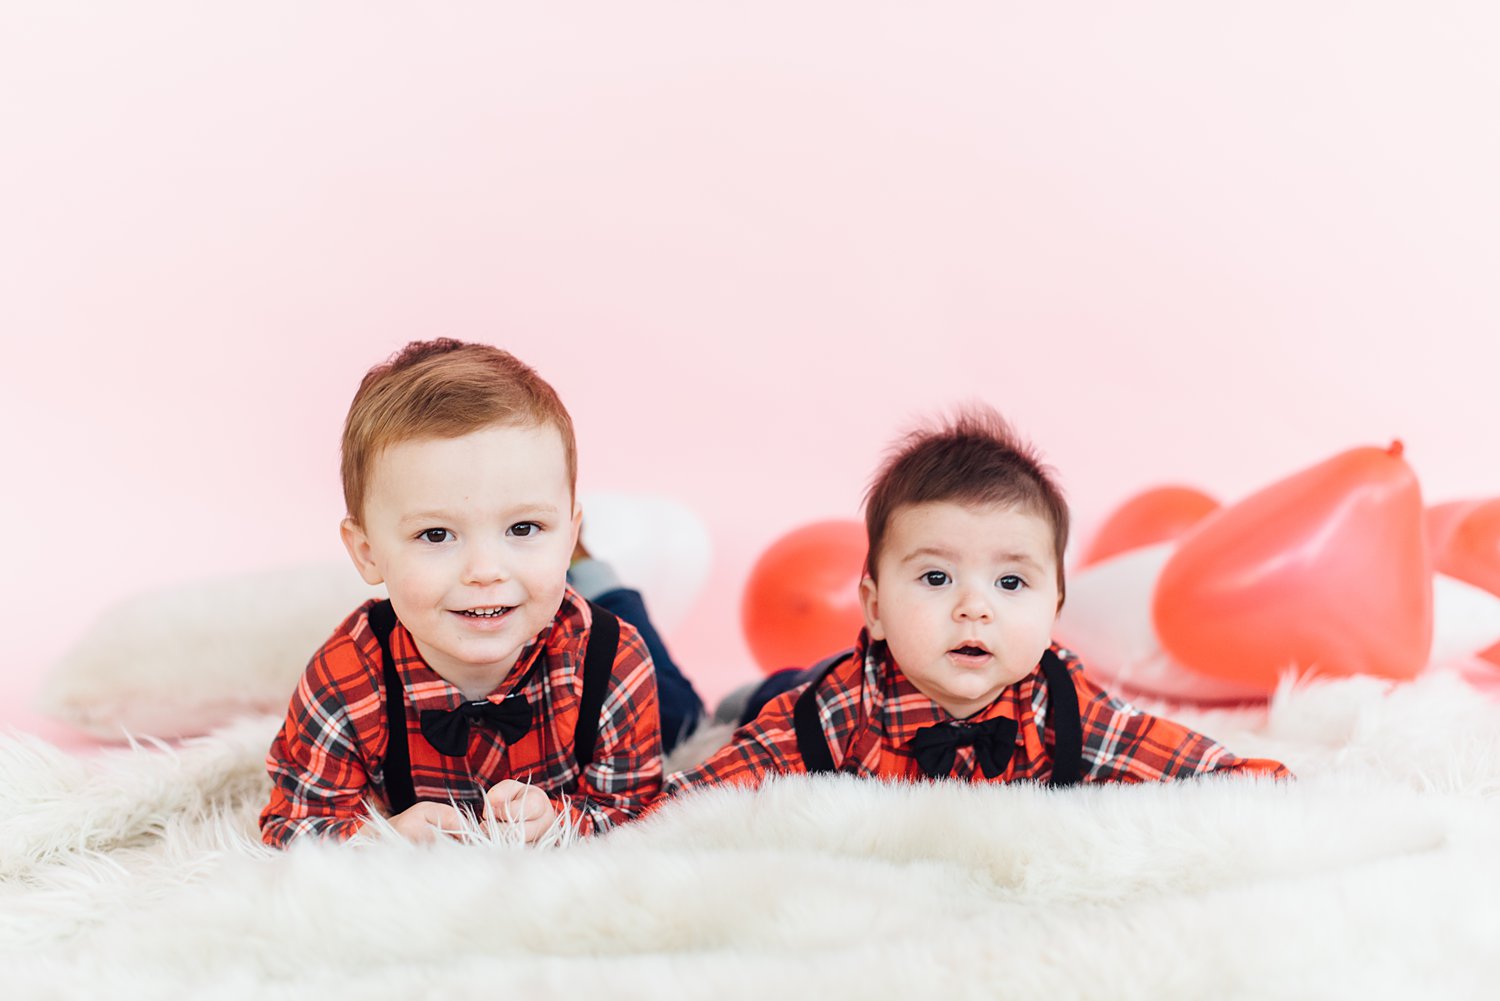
(325, 764)
(870, 712)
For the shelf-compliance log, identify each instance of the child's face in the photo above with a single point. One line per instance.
(472, 538)
(966, 599)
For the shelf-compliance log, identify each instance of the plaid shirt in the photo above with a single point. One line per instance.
(325, 764)
(870, 712)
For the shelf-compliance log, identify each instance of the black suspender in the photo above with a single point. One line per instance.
(812, 742)
(1067, 727)
(1067, 723)
(398, 784)
(598, 664)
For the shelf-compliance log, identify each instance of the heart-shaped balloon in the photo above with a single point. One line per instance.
(1159, 514)
(1470, 549)
(1326, 571)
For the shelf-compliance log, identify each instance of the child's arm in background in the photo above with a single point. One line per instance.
(679, 704)
(767, 745)
(1123, 744)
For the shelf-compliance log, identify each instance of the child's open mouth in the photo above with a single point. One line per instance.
(970, 650)
(486, 613)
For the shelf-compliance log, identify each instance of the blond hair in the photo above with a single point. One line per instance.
(444, 388)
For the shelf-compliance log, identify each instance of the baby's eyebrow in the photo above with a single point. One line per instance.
(932, 552)
(518, 511)
(951, 555)
(543, 507)
(550, 512)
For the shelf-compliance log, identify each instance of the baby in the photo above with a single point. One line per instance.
(955, 675)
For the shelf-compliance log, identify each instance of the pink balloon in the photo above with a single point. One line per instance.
(1466, 545)
(1325, 571)
(1441, 521)
(1159, 514)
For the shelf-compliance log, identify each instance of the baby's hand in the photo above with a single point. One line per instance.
(424, 821)
(517, 802)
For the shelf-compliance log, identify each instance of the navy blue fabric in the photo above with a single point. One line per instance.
(774, 684)
(785, 680)
(681, 708)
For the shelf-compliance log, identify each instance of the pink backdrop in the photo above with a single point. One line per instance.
(1172, 241)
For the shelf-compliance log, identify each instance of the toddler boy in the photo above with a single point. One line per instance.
(485, 685)
(955, 675)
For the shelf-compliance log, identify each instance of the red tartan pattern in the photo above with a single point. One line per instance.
(870, 712)
(325, 763)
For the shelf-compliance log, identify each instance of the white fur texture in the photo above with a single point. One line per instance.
(186, 659)
(136, 874)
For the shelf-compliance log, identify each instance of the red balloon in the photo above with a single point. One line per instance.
(1160, 514)
(1325, 571)
(801, 602)
(1469, 548)
(1441, 520)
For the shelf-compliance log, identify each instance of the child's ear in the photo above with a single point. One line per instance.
(576, 527)
(358, 545)
(869, 600)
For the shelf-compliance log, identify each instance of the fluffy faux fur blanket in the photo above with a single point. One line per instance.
(137, 873)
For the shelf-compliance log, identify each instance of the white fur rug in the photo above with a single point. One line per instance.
(137, 874)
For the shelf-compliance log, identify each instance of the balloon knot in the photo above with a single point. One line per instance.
(1396, 448)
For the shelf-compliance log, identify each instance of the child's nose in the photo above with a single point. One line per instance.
(972, 605)
(485, 563)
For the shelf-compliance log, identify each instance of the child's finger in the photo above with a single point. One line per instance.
(446, 819)
(526, 805)
(425, 821)
(535, 805)
(512, 801)
(500, 796)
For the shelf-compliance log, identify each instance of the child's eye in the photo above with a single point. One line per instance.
(1010, 582)
(525, 529)
(435, 535)
(935, 578)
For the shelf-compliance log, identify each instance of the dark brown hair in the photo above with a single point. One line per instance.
(444, 388)
(975, 458)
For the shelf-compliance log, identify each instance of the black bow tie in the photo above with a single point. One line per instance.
(447, 730)
(936, 747)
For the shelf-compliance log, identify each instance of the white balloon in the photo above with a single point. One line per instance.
(1465, 619)
(657, 545)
